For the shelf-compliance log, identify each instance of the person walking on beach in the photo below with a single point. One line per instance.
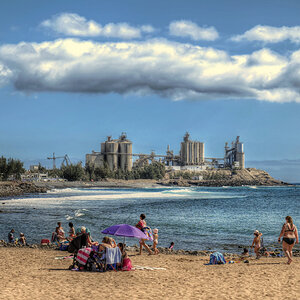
(141, 225)
(290, 236)
(256, 242)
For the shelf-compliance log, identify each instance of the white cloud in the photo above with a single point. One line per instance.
(169, 69)
(269, 34)
(75, 25)
(191, 30)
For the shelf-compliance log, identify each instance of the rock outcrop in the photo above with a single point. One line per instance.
(215, 178)
(15, 188)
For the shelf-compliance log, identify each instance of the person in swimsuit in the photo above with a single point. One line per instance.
(155, 241)
(71, 231)
(140, 225)
(60, 233)
(22, 239)
(256, 243)
(290, 236)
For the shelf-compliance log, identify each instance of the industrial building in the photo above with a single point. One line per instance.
(191, 152)
(117, 154)
(235, 156)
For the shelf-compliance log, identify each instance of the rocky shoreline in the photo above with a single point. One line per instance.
(162, 250)
(211, 178)
(16, 188)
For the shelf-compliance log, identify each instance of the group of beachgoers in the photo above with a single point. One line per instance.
(289, 235)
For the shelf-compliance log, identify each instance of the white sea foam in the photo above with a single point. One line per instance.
(68, 195)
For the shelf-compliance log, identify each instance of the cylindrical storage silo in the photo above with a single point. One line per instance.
(125, 154)
(112, 155)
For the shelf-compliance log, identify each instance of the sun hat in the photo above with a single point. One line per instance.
(155, 230)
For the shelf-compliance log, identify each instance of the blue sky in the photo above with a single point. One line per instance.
(73, 72)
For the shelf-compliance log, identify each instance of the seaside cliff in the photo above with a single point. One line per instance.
(210, 178)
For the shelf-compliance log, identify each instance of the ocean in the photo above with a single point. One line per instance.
(194, 218)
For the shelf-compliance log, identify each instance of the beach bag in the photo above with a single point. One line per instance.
(64, 246)
(217, 258)
(45, 242)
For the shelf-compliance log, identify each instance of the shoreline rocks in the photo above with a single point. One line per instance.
(212, 178)
(16, 188)
(135, 248)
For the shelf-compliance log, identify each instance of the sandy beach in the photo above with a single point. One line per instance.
(35, 274)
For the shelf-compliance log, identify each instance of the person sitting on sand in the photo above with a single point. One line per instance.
(11, 238)
(141, 225)
(59, 234)
(22, 239)
(171, 246)
(106, 243)
(256, 243)
(71, 231)
(155, 241)
(126, 262)
(245, 253)
(112, 242)
(290, 238)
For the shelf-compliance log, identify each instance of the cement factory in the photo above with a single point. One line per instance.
(117, 154)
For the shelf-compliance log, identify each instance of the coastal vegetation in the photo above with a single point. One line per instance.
(155, 170)
(10, 167)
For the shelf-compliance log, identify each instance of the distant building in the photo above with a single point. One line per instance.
(34, 168)
(116, 154)
(234, 156)
(191, 152)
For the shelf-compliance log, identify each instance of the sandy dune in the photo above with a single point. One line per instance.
(36, 274)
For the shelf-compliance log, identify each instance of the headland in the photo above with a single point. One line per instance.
(208, 178)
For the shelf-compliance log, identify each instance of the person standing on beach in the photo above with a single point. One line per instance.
(155, 241)
(141, 225)
(290, 238)
(256, 242)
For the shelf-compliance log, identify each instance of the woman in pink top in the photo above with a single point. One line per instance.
(140, 225)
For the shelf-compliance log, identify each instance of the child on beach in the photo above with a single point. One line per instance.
(171, 246)
(256, 243)
(22, 239)
(155, 240)
(126, 262)
(245, 253)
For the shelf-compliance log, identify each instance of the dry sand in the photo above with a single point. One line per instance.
(36, 274)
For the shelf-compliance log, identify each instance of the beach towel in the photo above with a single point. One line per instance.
(83, 255)
(147, 268)
(148, 232)
(113, 256)
(217, 258)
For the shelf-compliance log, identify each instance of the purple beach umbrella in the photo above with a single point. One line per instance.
(125, 230)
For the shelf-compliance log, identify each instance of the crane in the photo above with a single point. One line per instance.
(66, 159)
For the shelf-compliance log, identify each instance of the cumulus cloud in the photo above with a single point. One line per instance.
(75, 25)
(169, 69)
(191, 30)
(269, 34)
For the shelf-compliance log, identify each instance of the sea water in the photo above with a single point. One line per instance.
(194, 218)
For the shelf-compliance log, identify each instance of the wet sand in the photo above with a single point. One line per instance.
(35, 274)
